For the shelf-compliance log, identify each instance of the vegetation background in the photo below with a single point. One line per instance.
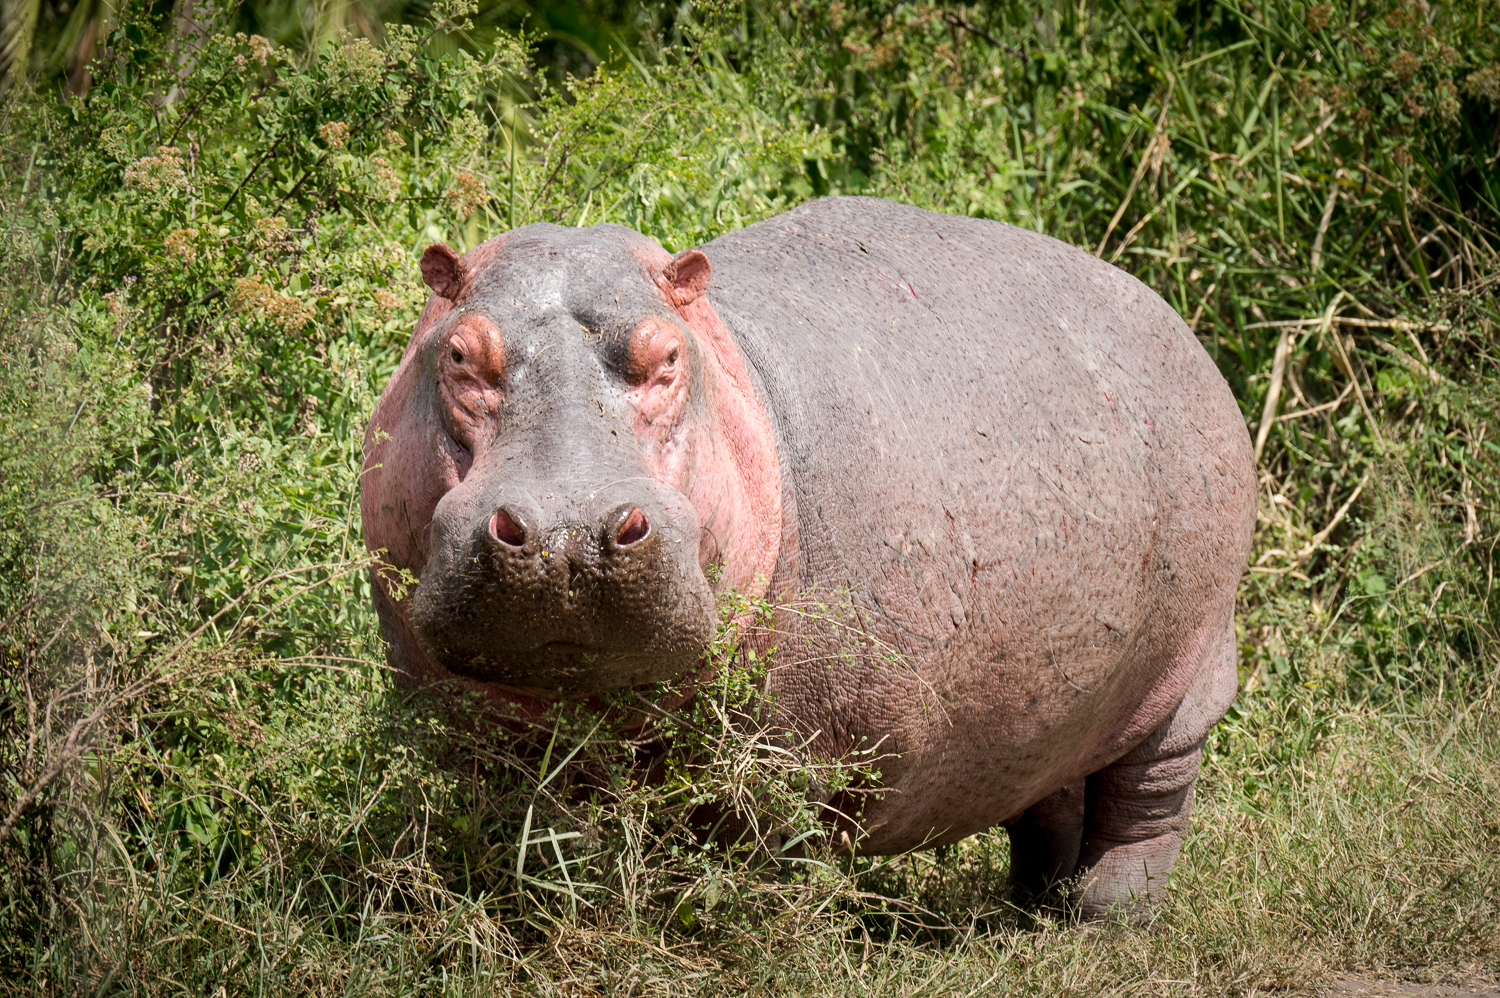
(208, 784)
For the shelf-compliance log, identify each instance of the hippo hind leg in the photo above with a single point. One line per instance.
(1136, 810)
(1136, 813)
(1104, 845)
(1122, 827)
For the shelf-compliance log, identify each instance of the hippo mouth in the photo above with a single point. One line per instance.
(612, 637)
(565, 665)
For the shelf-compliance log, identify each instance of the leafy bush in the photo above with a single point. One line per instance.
(210, 269)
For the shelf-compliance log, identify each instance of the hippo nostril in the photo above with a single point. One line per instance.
(633, 529)
(507, 528)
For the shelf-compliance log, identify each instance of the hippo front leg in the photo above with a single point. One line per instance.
(1044, 846)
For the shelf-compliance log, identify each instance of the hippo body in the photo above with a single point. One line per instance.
(1002, 490)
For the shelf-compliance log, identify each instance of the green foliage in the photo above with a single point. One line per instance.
(360, 826)
(56, 41)
(227, 257)
(210, 270)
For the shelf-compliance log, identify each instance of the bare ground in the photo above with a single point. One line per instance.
(1369, 987)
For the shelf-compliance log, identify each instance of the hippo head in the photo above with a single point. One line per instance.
(571, 441)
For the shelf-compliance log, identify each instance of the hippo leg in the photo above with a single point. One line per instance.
(1136, 809)
(1044, 847)
(1135, 813)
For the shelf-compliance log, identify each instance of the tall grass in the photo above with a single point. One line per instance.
(207, 781)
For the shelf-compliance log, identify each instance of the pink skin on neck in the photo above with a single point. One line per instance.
(731, 474)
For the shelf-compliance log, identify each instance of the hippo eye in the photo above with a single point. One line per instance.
(672, 357)
(458, 356)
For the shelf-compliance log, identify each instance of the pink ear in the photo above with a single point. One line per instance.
(442, 271)
(688, 274)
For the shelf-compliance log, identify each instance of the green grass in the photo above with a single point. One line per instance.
(207, 780)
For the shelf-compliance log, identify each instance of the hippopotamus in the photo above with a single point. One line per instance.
(1015, 468)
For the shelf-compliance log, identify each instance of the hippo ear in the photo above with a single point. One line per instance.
(442, 271)
(687, 275)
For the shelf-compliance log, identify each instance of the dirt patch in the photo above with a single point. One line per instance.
(1367, 987)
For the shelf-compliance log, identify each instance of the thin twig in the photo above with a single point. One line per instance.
(1317, 246)
(253, 171)
(1138, 226)
(1396, 325)
(958, 21)
(1140, 170)
(1338, 518)
(1318, 408)
(1359, 392)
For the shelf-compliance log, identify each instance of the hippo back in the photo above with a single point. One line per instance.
(1014, 471)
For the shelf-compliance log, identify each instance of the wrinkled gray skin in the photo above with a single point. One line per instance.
(1011, 463)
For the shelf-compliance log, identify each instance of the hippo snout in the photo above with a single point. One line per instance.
(579, 592)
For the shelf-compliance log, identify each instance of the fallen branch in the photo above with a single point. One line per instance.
(1318, 408)
(1396, 325)
(1273, 394)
